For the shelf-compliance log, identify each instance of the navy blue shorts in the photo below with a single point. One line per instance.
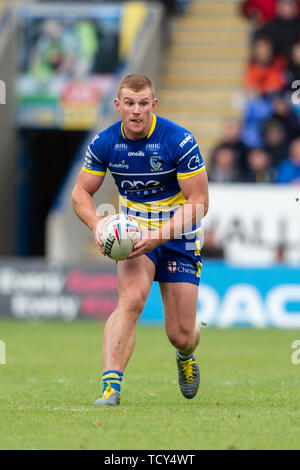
(177, 261)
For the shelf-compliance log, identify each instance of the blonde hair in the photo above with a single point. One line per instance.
(136, 83)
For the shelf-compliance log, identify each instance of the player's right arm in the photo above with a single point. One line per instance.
(89, 181)
(83, 203)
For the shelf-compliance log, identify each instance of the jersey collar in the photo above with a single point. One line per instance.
(153, 125)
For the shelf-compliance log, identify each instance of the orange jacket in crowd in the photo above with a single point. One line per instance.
(265, 79)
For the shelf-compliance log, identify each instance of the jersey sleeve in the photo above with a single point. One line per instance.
(189, 160)
(94, 161)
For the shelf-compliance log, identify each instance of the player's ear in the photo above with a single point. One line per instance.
(154, 103)
(117, 104)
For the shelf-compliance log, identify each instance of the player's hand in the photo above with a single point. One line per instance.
(97, 233)
(148, 243)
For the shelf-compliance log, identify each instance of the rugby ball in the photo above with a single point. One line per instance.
(119, 234)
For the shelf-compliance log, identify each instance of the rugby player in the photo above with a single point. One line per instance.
(161, 178)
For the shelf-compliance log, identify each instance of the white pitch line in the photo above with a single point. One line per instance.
(46, 408)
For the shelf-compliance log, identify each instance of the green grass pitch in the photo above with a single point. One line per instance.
(248, 397)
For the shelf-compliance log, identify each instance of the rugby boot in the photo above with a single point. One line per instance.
(109, 397)
(188, 376)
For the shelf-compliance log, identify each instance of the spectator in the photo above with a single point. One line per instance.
(257, 110)
(231, 137)
(289, 169)
(265, 71)
(294, 64)
(260, 167)
(224, 166)
(276, 140)
(284, 30)
(259, 11)
(283, 113)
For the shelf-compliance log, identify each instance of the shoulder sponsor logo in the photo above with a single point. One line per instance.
(95, 138)
(188, 138)
(136, 154)
(88, 160)
(120, 147)
(153, 146)
(194, 162)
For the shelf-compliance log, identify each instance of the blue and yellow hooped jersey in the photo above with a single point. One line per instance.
(147, 171)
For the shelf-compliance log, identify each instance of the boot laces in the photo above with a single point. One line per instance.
(188, 369)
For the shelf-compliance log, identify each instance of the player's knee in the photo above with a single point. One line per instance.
(133, 303)
(182, 340)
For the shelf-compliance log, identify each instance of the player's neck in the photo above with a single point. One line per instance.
(137, 136)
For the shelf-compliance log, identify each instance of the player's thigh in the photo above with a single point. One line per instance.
(135, 278)
(180, 300)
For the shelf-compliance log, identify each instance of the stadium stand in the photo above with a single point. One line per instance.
(203, 67)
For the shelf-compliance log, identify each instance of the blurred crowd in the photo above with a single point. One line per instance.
(264, 145)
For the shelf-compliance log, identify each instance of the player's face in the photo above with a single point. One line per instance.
(136, 109)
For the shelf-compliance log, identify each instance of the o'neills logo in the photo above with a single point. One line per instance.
(136, 154)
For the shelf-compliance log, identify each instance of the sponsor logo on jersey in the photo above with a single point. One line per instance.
(139, 185)
(120, 147)
(155, 163)
(194, 162)
(152, 146)
(172, 266)
(188, 138)
(123, 164)
(136, 154)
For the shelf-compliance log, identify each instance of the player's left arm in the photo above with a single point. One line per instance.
(195, 191)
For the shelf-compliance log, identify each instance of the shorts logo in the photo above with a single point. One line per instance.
(155, 163)
(172, 266)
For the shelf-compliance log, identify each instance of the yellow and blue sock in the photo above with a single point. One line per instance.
(114, 378)
(183, 357)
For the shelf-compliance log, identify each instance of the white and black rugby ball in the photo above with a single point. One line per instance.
(119, 234)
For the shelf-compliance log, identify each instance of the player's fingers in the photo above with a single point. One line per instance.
(134, 255)
(99, 244)
(137, 252)
(138, 245)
